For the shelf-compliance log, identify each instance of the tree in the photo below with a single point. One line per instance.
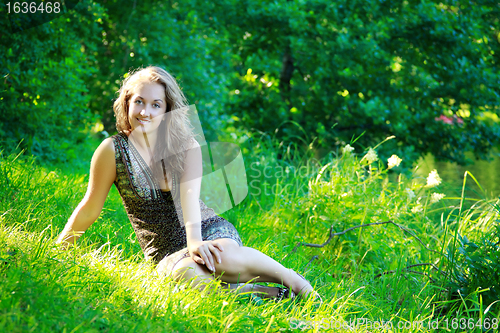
(164, 33)
(61, 72)
(424, 71)
(43, 94)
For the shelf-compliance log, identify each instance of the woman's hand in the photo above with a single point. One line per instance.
(206, 253)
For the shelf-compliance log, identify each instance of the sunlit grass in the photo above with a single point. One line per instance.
(367, 276)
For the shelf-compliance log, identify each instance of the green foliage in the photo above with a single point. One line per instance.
(43, 92)
(347, 192)
(482, 265)
(426, 72)
(61, 76)
(338, 193)
(167, 34)
(475, 265)
(316, 198)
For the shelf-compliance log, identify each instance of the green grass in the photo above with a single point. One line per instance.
(368, 276)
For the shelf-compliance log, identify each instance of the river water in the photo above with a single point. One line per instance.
(487, 173)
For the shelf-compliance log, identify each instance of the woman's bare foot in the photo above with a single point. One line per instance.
(299, 286)
(277, 293)
(302, 287)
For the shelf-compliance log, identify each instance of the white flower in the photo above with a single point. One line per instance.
(393, 161)
(371, 156)
(433, 179)
(417, 208)
(410, 193)
(347, 149)
(346, 194)
(435, 197)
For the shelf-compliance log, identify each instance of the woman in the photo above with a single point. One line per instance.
(156, 165)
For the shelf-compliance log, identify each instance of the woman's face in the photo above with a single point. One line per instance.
(146, 106)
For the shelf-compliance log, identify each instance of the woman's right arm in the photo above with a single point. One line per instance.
(102, 176)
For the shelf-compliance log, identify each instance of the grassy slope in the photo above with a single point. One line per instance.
(104, 286)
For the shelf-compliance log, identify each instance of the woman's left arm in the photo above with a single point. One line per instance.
(202, 252)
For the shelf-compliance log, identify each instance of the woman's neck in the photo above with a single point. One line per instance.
(144, 143)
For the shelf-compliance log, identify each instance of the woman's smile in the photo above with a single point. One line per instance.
(143, 121)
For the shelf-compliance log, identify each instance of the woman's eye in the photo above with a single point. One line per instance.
(137, 101)
(157, 105)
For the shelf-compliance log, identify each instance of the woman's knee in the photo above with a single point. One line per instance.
(230, 258)
(185, 269)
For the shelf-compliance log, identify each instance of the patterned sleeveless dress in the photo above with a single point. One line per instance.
(155, 216)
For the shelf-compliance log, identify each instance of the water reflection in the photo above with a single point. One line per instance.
(487, 174)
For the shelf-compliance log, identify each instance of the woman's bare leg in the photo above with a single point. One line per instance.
(199, 275)
(242, 264)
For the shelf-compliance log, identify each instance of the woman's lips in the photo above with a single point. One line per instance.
(142, 121)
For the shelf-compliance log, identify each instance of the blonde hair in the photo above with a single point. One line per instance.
(178, 134)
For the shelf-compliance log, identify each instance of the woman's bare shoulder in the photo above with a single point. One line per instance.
(193, 144)
(103, 164)
(106, 150)
(108, 144)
